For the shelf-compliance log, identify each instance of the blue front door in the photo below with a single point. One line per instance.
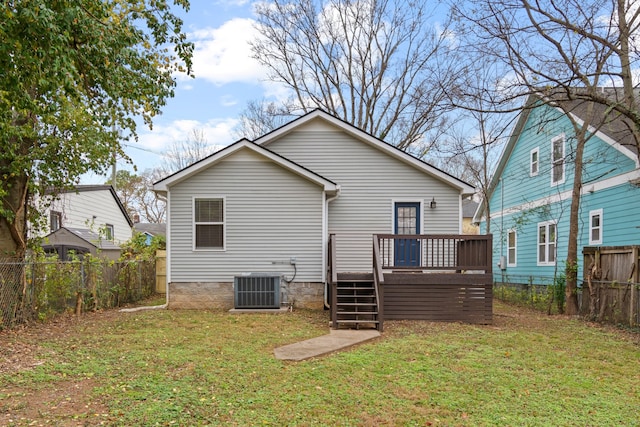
(407, 221)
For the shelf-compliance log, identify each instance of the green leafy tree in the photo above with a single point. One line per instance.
(137, 197)
(75, 75)
(128, 185)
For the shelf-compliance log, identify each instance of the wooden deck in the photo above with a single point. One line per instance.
(450, 280)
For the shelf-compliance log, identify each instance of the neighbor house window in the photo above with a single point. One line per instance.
(557, 160)
(108, 232)
(595, 227)
(547, 243)
(209, 223)
(511, 248)
(55, 220)
(534, 161)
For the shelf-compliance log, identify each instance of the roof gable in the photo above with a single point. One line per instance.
(106, 187)
(605, 131)
(90, 237)
(321, 120)
(234, 149)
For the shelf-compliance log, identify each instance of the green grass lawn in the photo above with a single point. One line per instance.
(212, 368)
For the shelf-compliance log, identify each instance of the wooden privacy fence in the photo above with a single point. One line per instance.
(611, 290)
(449, 277)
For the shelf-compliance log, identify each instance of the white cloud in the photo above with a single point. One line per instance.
(222, 55)
(148, 151)
(228, 100)
(235, 3)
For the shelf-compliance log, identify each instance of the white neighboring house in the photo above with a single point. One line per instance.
(95, 208)
(268, 207)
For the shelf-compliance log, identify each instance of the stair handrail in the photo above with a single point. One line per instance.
(378, 280)
(333, 281)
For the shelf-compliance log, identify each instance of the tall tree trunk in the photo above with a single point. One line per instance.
(13, 224)
(571, 268)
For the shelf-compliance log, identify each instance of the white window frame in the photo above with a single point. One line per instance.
(547, 243)
(535, 163)
(109, 232)
(592, 214)
(223, 223)
(55, 220)
(512, 261)
(562, 159)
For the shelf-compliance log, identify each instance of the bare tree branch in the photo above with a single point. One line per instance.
(376, 64)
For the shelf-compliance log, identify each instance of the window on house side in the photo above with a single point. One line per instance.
(209, 223)
(595, 227)
(108, 232)
(557, 160)
(511, 248)
(547, 243)
(534, 162)
(55, 220)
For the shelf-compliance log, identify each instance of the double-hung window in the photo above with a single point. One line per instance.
(547, 237)
(208, 214)
(557, 160)
(55, 220)
(595, 227)
(109, 232)
(534, 161)
(511, 248)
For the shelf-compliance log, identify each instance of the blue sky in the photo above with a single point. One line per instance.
(225, 79)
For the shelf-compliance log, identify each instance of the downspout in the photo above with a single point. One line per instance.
(167, 260)
(326, 240)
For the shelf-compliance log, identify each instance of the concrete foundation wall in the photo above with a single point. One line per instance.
(206, 295)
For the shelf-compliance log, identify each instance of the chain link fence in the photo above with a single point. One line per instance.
(37, 290)
(612, 302)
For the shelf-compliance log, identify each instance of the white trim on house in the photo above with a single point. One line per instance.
(325, 228)
(515, 134)
(535, 172)
(460, 221)
(612, 142)
(547, 243)
(165, 184)
(512, 262)
(223, 223)
(593, 213)
(167, 279)
(553, 161)
(565, 195)
(365, 137)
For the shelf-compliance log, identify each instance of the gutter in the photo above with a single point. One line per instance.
(326, 284)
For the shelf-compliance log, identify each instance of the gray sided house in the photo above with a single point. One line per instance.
(84, 219)
(267, 208)
(94, 207)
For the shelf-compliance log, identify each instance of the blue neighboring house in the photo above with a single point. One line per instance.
(530, 192)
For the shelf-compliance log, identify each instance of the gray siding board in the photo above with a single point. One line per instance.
(271, 215)
(370, 181)
(91, 210)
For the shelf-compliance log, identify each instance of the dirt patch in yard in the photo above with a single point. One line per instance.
(64, 402)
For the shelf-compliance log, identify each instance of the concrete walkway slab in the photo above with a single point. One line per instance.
(337, 339)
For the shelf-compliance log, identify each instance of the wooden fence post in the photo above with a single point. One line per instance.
(634, 278)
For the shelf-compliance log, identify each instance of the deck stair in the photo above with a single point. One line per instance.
(357, 305)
